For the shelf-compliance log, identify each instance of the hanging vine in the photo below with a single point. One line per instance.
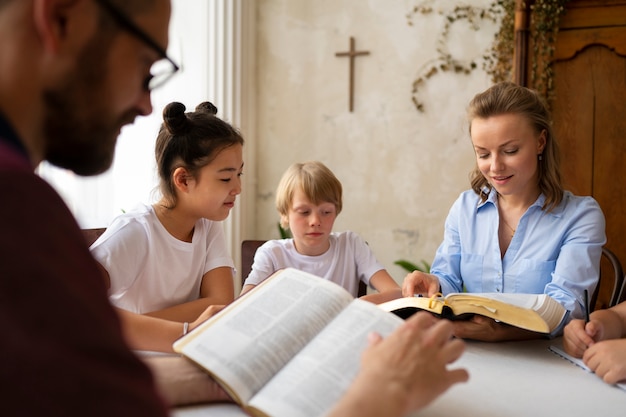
(445, 61)
(545, 16)
(499, 62)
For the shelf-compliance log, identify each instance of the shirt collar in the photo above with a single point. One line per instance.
(492, 198)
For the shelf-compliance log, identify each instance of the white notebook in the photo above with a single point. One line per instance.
(578, 362)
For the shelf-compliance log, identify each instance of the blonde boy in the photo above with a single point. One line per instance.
(309, 199)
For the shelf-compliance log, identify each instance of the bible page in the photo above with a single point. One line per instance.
(548, 308)
(529, 301)
(317, 377)
(248, 342)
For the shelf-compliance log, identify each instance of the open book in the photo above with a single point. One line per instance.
(290, 347)
(535, 312)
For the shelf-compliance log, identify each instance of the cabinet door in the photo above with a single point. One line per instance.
(590, 112)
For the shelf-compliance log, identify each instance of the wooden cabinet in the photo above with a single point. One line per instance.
(589, 109)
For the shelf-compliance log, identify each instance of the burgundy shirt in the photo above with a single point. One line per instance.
(62, 352)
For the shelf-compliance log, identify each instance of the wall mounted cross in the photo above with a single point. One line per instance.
(352, 54)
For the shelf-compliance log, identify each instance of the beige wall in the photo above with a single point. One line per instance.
(401, 169)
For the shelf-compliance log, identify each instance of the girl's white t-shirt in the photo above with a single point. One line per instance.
(149, 268)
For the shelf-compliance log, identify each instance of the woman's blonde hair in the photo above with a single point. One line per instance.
(510, 98)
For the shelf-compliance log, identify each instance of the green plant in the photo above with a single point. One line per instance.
(410, 266)
(284, 233)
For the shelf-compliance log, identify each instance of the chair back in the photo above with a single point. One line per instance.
(609, 289)
(91, 235)
(622, 294)
(248, 249)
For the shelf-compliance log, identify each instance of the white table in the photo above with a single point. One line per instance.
(506, 380)
(526, 379)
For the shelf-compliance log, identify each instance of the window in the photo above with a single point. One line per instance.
(132, 179)
(213, 41)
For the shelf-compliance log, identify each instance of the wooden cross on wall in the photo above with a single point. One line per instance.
(352, 54)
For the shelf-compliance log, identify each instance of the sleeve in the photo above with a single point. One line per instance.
(122, 250)
(66, 354)
(217, 254)
(447, 263)
(578, 263)
(366, 263)
(263, 265)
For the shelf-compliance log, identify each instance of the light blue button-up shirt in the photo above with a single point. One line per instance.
(556, 253)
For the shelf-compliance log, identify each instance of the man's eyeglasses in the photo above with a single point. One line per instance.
(163, 69)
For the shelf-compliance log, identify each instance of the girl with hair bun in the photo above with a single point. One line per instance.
(169, 260)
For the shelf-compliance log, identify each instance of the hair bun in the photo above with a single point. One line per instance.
(174, 117)
(206, 107)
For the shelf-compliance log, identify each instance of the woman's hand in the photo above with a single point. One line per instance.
(420, 283)
(488, 330)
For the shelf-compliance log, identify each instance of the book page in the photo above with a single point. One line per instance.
(530, 301)
(246, 344)
(318, 376)
(535, 312)
(548, 308)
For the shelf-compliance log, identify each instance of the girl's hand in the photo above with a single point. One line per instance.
(206, 314)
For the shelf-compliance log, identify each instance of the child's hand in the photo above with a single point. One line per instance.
(607, 359)
(578, 336)
(206, 314)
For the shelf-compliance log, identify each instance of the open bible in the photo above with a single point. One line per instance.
(290, 347)
(535, 312)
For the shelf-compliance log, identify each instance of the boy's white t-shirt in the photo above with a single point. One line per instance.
(347, 261)
(149, 268)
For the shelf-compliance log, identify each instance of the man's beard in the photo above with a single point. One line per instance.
(80, 130)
